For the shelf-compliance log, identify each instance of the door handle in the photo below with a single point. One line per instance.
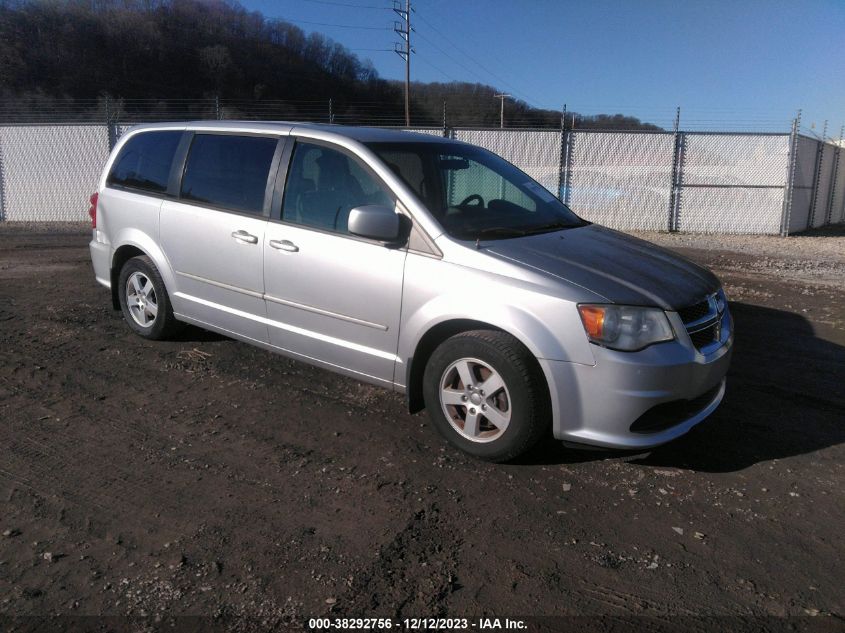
(284, 245)
(246, 238)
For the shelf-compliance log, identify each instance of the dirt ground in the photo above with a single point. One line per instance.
(205, 477)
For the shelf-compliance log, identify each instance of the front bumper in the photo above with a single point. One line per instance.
(597, 404)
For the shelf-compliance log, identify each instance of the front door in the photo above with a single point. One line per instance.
(331, 296)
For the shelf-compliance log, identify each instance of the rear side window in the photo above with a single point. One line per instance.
(228, 171)
(144, 162)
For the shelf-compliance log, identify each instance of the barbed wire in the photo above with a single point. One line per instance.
(368, 112)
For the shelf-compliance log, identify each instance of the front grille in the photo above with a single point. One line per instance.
(698, 314)
(668, 414)
(703, 338)
(695, 312)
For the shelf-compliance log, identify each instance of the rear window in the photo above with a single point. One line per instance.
(144, 162)
(228, 171)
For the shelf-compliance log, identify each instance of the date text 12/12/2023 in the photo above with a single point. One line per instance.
(417, 624)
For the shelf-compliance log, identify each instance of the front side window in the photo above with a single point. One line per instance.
(228, 171)
(473, 193)
(324, 185)
(145, 161)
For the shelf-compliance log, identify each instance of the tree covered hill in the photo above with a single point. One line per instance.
(175, 57)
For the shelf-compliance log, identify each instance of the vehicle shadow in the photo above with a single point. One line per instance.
(194, 334)
(785, 397)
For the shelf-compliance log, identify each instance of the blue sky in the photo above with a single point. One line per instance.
(727, 64)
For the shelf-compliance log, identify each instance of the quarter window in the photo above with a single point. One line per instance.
(228, 171)
(144, 162)
(324, 185)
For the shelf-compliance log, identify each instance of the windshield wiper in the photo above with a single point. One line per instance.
(552, 226)
(512, 231)
(501, 230)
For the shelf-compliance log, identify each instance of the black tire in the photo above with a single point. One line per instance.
(163, 324)
(526, 391)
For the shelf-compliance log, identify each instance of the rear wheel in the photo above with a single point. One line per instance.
(486, 395)
(144, 300)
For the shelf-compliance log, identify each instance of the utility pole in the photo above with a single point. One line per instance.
(502, 98)
(404, 30)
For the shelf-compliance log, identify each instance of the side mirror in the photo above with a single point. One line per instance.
(375, 222)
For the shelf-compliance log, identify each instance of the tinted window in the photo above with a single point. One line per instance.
(324, 185)
(145, 161)
(228, 171)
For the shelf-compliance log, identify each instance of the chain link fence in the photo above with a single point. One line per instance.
(620, 180)
(753, 183)
(837, 200)
(48, 172)
(817, 196)
(732, 183)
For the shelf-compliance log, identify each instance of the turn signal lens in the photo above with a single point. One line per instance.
(593, 319)
(625, 328)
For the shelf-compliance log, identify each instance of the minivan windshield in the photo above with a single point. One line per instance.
(473, 193)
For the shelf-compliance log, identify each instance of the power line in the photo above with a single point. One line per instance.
(341, 26)
(346, 4)
(437, 68)
(480, 65)
(459, 63)
(469, 70)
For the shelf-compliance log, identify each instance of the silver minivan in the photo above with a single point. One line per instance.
(426, 265)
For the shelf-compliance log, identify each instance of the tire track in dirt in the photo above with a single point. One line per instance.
(290, 485)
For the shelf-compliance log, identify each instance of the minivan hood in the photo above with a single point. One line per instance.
(621, 268)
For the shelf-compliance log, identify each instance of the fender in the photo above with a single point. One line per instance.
(135, 237)
(540, 339)
(543, 316)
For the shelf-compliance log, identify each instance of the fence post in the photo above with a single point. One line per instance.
(817, 176)
(561, 153)
(566, 167)
(218, 112)
(675, 189)
(832, 193)
(331, 111)
(840, 213)
(2, 177)
(792, 164)
(111, 127)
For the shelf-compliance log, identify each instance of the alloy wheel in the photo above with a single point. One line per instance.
(475, 400)
(141, 299)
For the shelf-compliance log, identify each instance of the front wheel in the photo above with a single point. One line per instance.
(486, 394)
(144, 300)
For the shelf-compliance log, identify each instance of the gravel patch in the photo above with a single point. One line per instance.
(816, 256)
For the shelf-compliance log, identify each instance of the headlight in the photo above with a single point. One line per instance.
(625, 328)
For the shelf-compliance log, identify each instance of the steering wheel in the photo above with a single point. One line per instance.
(469, 199)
